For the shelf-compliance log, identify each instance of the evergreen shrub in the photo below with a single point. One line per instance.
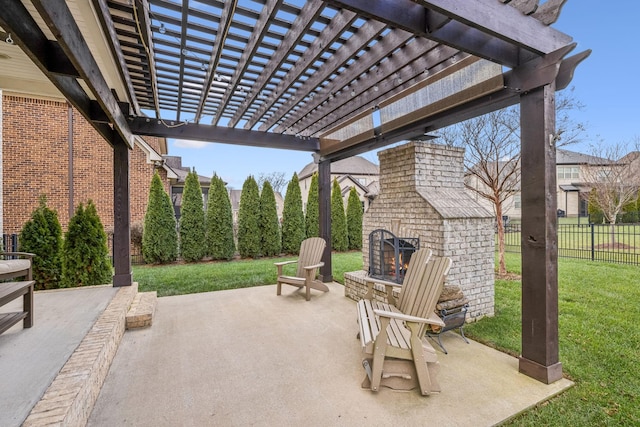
(192, 225)
(219, 223)
(159, 234)
(85, 256)
(249, 220)
(269, 225)
(42, 236)
(354, 220)
(339, 240)
(293, 229)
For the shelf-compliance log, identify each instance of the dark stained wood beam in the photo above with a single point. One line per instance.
(121, 216)
(222, 134)
(343, 20)
(104, 15)
(410, 63)
(26, 33)
(62, 24)
(324, 208)
(540, 344)
(383, 48)
(469, 26)
(530, 76)
(308, 14)
(367, 32)
(249, 51)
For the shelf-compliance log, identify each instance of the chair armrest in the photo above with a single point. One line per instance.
(435, 320)
(388, 287)
(285, 262)
(311, 267)
(373, 280)
(23, 254)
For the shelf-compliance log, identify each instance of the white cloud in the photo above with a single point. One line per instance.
(185, 143)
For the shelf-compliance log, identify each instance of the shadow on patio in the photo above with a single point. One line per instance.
(248, 357)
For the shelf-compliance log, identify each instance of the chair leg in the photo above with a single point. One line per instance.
(419, 360)
(279, 288)
(379, 352)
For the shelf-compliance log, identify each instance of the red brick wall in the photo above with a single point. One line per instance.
(36, 161)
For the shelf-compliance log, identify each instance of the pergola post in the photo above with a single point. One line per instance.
(121, 219)
(324, 206)
(540, 349)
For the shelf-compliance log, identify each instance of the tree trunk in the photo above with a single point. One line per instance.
(502, 267)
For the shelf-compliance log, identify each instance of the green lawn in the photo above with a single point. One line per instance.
(599, 328)
(599, 342)
(177, 279)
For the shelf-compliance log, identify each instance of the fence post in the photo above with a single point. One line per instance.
(593, 247)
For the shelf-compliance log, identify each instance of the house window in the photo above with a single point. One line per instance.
(517, 203)
(568, 172)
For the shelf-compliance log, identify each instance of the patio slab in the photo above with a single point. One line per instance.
(248, 357)
(31, 358)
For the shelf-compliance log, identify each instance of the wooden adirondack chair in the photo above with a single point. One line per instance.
(397, 353)
(311, 251)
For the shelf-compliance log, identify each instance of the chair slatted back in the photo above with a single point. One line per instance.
(413, 275)
(311, 251)
(422, 295)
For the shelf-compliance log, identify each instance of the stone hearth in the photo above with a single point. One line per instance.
(422, 193)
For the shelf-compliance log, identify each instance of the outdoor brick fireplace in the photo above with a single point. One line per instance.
(389, 255)
(422, 195)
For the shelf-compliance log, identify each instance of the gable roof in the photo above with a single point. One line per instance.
(566, 157)
(355, 165)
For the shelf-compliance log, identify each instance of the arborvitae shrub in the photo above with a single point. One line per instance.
(249, 220)
(159, 234)
(220, 244)
(42, 236)
(338, 220)
(293, 230)
(269, 226)
(354, 220)
(85, 259)
(192, 226)
(312, 215)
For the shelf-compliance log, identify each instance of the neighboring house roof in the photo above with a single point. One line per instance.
(373, 189)
(174, 163)
(355, 165)
(354, 182)
(566, 157)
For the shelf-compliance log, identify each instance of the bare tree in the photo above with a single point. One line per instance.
(277, 180)
(492, 154)
(615, 181)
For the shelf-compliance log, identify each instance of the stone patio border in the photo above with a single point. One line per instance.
(71, 396)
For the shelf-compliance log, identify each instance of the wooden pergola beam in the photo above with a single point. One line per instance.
(62, 24)
(221, 134)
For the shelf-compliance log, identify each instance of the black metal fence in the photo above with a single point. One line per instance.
(619, 243)
(10, 242)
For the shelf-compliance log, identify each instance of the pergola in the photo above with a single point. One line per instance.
(334, 78)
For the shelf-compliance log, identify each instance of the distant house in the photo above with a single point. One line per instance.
(572, 188)
(177, 174)
(356, 172)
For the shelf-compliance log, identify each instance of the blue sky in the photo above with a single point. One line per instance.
(606, 83)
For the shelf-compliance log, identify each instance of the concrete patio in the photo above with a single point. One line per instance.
(248, 357)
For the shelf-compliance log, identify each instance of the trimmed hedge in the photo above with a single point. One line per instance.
(293, 230)
(159, 234)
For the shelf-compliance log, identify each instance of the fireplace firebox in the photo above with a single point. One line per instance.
(389, 255)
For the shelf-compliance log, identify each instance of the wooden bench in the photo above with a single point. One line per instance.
(10, 291)
(397, 353)
(15, 264)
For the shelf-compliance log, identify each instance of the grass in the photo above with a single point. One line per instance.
(599, 342)
(598, 315)
(177, 279)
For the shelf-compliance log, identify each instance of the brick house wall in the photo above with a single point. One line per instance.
(35, 148)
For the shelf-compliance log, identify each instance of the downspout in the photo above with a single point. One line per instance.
(70, 166)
